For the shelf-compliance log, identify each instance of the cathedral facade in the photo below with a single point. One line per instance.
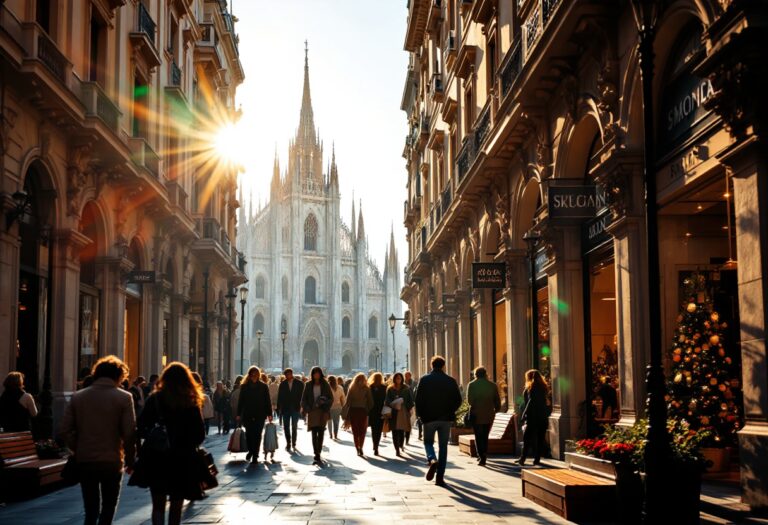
(310, 274)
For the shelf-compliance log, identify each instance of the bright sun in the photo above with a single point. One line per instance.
(231, 144)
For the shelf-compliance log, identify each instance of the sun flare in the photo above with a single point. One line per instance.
(230, 144)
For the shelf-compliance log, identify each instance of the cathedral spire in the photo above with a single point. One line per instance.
(360, 225)
(334, 174)
(306, 133)
(354, 227)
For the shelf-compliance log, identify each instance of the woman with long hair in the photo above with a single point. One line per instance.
(534, 416)
(170, 457)
(316, 404)
(375, 421)
(400, 400)
(358, 406)
(253, 408)
(17, 407)
(339, 398)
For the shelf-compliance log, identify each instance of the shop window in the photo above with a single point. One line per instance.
(500, 347)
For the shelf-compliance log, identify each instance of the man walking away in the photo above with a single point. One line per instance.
(253, 407)
(99, 425)
(484, 401)
(437, 399)
(289, 407)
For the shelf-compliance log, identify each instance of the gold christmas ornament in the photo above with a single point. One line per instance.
(691, 308)
(714, 340)
(722, 388)
(721, 352)
(715, 317)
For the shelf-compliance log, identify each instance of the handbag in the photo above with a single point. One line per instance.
(70, 472)
(270, 438)
(235, 441)
(206, 469)
(157, 440)
(386, 412)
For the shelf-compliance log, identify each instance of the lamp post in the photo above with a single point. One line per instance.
(259, 333)
(206, 275)
(392, 322)
(532, 237)
(283, 335)
(243, 299)
(657, 449)
(231, 296)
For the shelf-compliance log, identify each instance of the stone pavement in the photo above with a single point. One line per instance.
(347, 490)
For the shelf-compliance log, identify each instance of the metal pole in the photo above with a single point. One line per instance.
(242, 334)
(394, 354)
(534, 311)
(283, 353)
(258, 356)
(230, 298)
(657, 450)
(205, 325)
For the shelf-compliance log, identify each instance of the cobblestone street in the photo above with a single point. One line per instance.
(347, 490)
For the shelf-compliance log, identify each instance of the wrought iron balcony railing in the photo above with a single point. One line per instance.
(146, 24)
(175, 79)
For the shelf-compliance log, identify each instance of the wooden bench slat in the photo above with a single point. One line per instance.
(21, 467)
(569, 493)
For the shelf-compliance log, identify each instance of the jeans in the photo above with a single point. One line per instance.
(377, 425)
(101, 490)
(481, 439)
(253, 432)
(317, 440)
(333, 422)
(443, 429)
(290, 422)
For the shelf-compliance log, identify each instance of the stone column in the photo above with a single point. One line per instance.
(438, 335)
(566, 336)
(483, 305)
(750, 185)
(451, 345)
(517, 298)
(465, 342)
(9, 296)
(112, 324)
(65, 295)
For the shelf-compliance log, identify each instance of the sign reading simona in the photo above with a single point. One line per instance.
(489, 275)
(574, 202)
(141, 277)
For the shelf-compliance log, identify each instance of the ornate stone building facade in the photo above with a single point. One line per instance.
(311, 275)
(115, 237)
(511, 102)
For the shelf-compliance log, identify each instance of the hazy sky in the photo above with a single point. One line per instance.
(357, 71)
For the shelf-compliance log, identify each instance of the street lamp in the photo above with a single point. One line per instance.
(657, 449)
(259, 333)
(283, 335)
(532, 237)
(392, 322)
(243, 298)
(231, 296)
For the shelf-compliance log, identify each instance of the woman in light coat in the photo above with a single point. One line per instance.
(400, 400)
(359, 404)
(338, 402)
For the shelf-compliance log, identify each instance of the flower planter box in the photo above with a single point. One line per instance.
(591, 465)
(720, 459)
(458, 431)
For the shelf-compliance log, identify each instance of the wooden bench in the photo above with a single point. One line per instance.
(21, 469)
(574, 495)
(501, 439)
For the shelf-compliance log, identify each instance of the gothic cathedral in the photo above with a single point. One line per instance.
(310, 275)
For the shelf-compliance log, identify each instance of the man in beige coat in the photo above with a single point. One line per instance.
(99, 425)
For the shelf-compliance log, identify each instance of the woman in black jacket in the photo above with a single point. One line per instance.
(316, 405)
(534, 417)
(253, 407)
(379, 392)
(169, 457)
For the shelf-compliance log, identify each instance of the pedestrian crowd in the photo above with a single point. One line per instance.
(154, 430)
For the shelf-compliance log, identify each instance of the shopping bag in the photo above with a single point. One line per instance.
(244, 442)
(236, 441)
(270, 438)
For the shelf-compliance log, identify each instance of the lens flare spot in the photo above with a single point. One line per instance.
(545, 351)
(561, 306)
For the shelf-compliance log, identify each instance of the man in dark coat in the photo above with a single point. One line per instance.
(289, 406)
(437, 399)
(253, 407)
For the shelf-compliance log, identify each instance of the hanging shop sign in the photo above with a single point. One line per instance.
(594, 232)
(489, 275)
(574, 202)
(141, 277)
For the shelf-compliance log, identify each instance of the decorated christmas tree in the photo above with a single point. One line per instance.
(705, 385)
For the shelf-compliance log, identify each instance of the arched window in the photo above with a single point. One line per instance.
(345, 328)
(259, 287)
(258, 324)
(285, 288)
(310, 290)
(373, 327)
(344, 292)
(310, 233)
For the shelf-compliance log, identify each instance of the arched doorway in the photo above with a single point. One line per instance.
(311, 355)
(33, 320)
(346, 363)
(133, 314)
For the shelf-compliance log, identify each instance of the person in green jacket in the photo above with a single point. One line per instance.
(484, 402)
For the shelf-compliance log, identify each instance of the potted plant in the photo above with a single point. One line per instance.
(458, 428)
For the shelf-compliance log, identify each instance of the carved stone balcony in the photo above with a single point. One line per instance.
(465, 60)
(144, 37)
(143, 156)
(98, 105)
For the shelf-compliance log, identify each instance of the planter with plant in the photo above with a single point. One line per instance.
(459, 428)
